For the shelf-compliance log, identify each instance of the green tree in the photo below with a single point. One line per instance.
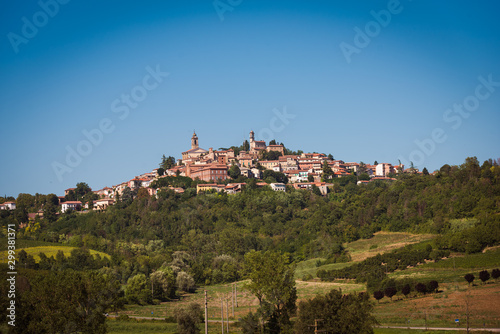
(484, 275)
(64, 302)
(245, 146)
(81, 190)
(406, 290)
(339, 313)
(469, 278)
(234, 171)
(50, 208)
(188, 318)
(432, 286)
(277, 176)
(271, 155)
(378, 295)
(495, 273)
(327, 171)
(272, 282)
(167, 163)
(185, 282)
(390, 292)
(163, 281)
(138, 290)
(425, 171)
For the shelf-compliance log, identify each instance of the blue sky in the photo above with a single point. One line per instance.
(233, 67)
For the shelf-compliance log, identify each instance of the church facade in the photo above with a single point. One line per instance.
(196, 151)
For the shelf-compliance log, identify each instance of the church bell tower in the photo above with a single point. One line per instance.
(194, 140)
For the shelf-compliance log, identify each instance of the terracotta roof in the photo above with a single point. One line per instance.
(194, 149)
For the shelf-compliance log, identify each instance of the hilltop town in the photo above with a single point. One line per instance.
(212, 169)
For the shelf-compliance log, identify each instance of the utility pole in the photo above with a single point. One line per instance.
(425, 313)
(227, 314)
(152, 295)
(222, 313)
(206, 313)
(232, 297)
(236, 294)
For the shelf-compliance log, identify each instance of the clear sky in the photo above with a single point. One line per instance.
(363, 80)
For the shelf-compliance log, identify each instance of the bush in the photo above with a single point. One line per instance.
(188, 319)
(432, 286)
(495, 273)
(421, 288)
(406, 290)
(484, 275)
(469, 278)
(185, 282)
(307, 277)
(390, 292)
(378, 295)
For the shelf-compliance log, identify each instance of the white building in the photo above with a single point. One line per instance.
(8, 206)
(383, 169)
(278, 186)
(70, 205)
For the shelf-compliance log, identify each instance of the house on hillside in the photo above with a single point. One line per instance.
(70, 205)
(8, 206)
(278, 186)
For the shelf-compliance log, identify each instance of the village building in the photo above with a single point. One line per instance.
(70, 205)
(195, 151)
(212, 172)
(8, 206)
(276, 148)
(256, 145)
(384, 169)
(278, 186)
(103, 203)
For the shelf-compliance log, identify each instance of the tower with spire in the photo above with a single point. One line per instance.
(194, 140)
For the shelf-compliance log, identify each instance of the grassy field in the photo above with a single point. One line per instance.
(381, 242)
(441, 309)
(48, 250)
(23, 243)
(453, 269)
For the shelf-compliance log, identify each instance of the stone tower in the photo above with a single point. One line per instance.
(252, 140)
(194, 140)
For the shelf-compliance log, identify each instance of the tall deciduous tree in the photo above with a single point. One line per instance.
(65, 302)
(272, 282)
(167, 163)
(339, 313)
(234, 171)
(327, 171)
(188, 318)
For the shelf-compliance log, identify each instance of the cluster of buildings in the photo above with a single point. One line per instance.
(303, 171)
(213, 165)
